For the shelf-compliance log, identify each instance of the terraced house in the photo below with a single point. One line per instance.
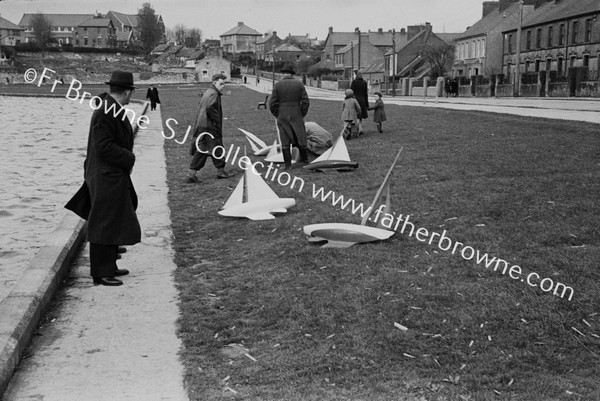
(560, 38)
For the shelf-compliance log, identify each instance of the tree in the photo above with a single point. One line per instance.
(151, 31)
(42, 28)
(193, 38)
(179, 33)
(439, 56)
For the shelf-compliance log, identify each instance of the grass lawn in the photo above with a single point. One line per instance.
(266, 315)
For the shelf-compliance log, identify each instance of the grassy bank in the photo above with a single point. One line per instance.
(266, 315)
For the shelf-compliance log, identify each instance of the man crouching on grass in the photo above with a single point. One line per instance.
(209, 121)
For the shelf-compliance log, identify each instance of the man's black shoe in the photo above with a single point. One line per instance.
(121, 272)
(109, 281)
(121, 249)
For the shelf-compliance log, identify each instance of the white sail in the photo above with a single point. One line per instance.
(339, 151)
(255, 142)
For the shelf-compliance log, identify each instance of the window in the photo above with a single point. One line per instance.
(559, 66)
(528, 43)
(509, 43)
(85, 41)
(538, 39)
(527, 66)
(537, 65)
(575, 36)
(561, 34)
(548, 64)
(550, 33)
(204, 73)
(588, 30)
(586, 60)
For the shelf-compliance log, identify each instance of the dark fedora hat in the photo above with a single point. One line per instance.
(122, 79)
(288, 69)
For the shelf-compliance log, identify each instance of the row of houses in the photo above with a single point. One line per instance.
(113, 29)
(512, 36)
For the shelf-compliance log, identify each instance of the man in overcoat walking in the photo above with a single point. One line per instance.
(289, 104)
(107, 199)
(152, 96)
(208, 131)
(361, 92)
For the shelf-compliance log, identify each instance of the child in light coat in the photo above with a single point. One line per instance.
(379, 115)
(350, 112)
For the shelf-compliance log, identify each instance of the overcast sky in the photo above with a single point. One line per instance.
(298, 17)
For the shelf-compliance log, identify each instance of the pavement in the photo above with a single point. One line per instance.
(575, 109)
(105, 343)
(120, 343)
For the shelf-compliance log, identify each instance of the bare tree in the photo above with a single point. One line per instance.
(42, 28)
(193, 38)
(150, 29)
(180, 31)
(439, 56)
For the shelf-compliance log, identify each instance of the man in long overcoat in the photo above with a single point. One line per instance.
(361, 93)
(107, 199)
(208, 131)
(289, 104)
(152, 96)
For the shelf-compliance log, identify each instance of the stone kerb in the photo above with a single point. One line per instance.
(22, 309)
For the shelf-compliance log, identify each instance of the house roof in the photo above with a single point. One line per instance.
(96, 22)
(58, 19)
(449, 38)
(491, 21)
(553, 11)
(196, 55)
(377, 65)
(403, 42)
(126, 19)
(381, 38)
(329, 64)
(161, 48)
(347, 48)
(286, 47)
(342, 38)
(124, 36)
(185, 52)
(241, 29)
(266, 38)
(6, 24)
(301, 38)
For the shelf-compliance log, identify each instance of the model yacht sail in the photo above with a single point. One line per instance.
(336, 157)
(343, 235)
(252, 198)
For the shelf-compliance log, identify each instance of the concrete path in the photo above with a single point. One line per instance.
(576, 109)
(116, 343)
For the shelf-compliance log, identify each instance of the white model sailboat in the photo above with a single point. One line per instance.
(258, 146)
(336, 157)
(343, 235)
(252, 198)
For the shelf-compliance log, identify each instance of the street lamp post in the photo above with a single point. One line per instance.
(394, 62)
(517, 91)
(273, 65)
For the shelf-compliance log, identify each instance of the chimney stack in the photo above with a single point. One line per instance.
(489, 6)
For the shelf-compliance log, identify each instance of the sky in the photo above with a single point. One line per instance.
(296, 17)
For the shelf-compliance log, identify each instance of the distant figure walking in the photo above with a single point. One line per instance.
(361, 91)
(152, 95)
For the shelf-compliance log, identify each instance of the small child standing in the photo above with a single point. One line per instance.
(350, 112)
(379, 115)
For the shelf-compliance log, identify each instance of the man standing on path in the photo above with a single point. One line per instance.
(208, 131)
(289, 104)
(361, 93)
(107, 198)
(152, 95)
